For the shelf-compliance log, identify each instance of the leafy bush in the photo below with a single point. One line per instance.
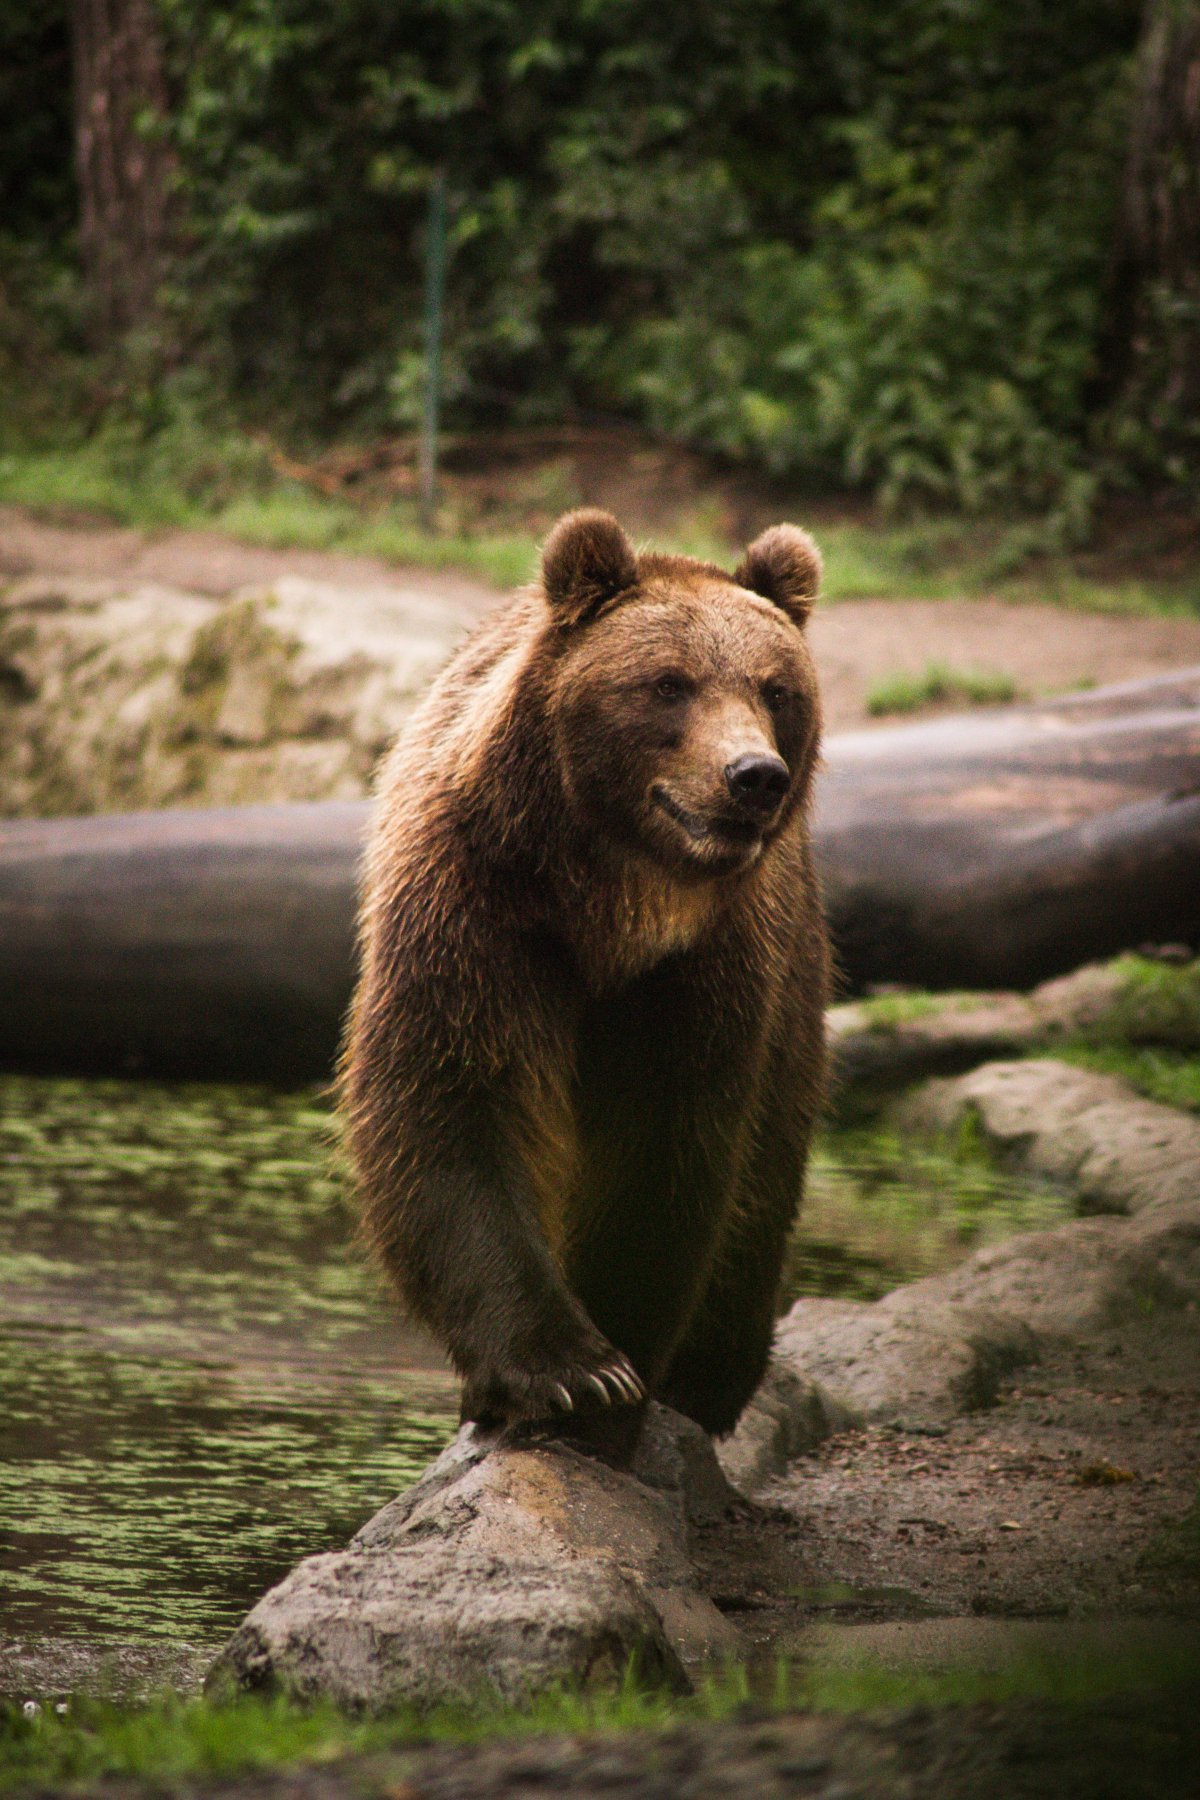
(854, 243)
(936, 341)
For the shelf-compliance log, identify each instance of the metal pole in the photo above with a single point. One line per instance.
(435, 283)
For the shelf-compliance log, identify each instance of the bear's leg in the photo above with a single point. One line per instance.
(724, 1354)
(666, 1079)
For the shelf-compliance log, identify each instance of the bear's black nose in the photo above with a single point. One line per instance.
(757, 783)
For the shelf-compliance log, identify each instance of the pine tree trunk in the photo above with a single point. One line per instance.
(1161, 219)
(122, 158)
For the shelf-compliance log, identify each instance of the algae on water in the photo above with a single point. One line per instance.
(199, 1379)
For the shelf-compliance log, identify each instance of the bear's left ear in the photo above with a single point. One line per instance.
(784, 566)
(586, 560)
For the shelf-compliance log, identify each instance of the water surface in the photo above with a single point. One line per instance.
(200, 1381)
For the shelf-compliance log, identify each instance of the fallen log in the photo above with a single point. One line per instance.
(999, 848)
(992, 849)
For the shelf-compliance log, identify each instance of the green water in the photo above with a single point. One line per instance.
(200, 1379)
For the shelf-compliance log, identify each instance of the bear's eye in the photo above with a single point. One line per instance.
(670, 687)
(775, 694)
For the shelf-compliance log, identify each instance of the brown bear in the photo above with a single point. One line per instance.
(585, 1055)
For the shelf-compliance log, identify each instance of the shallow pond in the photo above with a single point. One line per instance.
(200, 1378)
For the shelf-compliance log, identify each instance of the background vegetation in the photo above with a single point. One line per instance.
(945, 251)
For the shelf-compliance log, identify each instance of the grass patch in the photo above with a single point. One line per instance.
(947, 558)
(169, 1739)
(278, 514)
(938, 684)
(1146, 1030)
(1157, 1003)
(907, 1006)
(1170, 1076)
(195, 475)
(292, 517)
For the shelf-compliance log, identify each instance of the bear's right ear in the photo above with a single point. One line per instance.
(586, 560)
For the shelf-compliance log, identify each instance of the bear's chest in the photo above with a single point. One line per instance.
(642, 920)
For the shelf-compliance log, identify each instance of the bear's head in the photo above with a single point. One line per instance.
(683, 699)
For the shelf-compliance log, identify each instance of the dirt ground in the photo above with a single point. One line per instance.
(1062, 1502)
(1043, 649)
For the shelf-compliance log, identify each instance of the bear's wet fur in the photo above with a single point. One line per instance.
(586, 1052)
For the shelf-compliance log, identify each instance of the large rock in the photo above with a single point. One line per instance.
(117, 697)
(940, 1347)
(514, 1564)
(789, 1416)
(908, 1358)
(1115, 1151)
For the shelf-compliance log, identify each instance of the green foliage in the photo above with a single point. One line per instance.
(307, 137)
(938, 683)
(934, 343)
(858, 244)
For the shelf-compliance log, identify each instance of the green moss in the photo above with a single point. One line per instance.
(1169, 1076)
(1159, 1003)
(889, 1012)
(939, 684)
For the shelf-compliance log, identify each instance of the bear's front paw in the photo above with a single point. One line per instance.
(506, 1394)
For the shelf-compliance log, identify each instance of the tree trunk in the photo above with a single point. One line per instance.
(1159, 253)
(122, 158)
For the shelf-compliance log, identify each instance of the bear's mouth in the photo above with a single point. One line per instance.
(736, 835)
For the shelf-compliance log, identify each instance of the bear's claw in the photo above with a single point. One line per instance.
(492, 1395)
(628, 1387)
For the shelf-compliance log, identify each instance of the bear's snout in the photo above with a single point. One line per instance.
(757, 783)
